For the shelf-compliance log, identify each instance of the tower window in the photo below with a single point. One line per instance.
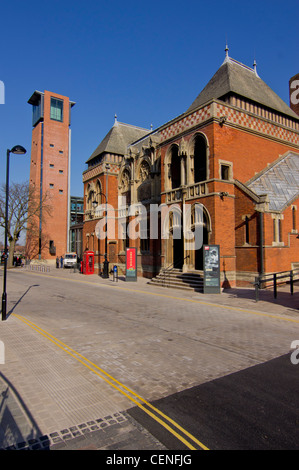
(277, 230)
(225, 172)
(56, 109)
(247, 229)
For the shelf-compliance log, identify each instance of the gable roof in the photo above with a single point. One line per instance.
(280, 181)
(234, 77)
(118, 139)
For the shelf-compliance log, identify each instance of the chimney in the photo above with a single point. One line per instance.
(294, 93)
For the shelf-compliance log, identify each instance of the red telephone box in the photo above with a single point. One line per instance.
(88, 262)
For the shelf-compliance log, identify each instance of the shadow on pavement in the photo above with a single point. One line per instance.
(20, 299)
(18, 429)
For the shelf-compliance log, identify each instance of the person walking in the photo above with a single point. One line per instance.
(61, 261)
(57, 262)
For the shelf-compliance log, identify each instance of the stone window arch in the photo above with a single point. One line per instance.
(125, 180)
(98, 192)
(173, 168)
(144, 171)
(90, 196)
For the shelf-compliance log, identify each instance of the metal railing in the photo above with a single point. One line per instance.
(273, 280)
(42, 268)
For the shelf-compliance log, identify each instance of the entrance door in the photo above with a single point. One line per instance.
(205, 241)
(178, 253)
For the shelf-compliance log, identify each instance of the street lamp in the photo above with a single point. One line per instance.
(106, 262)
(17, 150)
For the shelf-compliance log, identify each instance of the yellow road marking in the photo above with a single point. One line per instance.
(202, 302)
(93, 366)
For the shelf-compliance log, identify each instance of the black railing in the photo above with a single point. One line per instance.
(269, 281)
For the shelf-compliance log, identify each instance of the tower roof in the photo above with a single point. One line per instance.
(235, 78)
(118, 139)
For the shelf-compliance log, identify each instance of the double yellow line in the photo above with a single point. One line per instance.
(174, 428)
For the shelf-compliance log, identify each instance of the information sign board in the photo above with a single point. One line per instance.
(211, 265)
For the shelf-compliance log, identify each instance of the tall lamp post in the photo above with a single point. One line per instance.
(17, 150)
(106, 262)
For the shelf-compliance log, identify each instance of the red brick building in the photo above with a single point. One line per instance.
(235, 151)
(50, 174)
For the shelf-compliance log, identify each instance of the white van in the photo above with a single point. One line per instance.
(70, 260)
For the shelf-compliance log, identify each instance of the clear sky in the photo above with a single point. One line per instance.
(144, 61)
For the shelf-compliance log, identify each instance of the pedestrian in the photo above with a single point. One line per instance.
(57, 262)
(61, 261)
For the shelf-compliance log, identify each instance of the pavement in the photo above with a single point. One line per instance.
(20, 429)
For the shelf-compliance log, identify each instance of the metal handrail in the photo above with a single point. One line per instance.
(274, 277)
(172, 266)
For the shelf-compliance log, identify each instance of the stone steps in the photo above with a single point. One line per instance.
(176, 279)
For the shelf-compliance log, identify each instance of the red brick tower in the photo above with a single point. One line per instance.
(50, 173)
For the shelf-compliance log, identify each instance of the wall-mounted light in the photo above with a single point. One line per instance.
(222, 120)
(223, 193)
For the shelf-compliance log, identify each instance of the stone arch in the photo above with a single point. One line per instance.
(205, 221)
(124, 180)
(98, 192)
(90, 195)
(144, 170)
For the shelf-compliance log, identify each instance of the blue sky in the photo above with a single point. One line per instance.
(144, 61)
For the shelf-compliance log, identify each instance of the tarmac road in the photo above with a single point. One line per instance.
(161, 369)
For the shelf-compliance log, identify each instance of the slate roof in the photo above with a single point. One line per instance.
(118, 139)
(280, 181)
(234, 77)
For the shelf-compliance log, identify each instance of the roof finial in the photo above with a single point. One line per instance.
(226, 50)
(254, 68)
(226, 53)
(115, 118)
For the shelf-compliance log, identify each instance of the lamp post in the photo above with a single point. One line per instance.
(106, 262)
(95, 203)
(17, 150)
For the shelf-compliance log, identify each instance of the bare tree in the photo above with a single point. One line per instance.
(24, 208)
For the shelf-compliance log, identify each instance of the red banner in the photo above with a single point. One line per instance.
(131, 264)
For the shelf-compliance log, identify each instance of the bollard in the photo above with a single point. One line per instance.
(256, 283)
(291, 283)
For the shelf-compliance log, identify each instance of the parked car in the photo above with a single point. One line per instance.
(70, 260)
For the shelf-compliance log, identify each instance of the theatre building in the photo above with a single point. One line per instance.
(234, 152)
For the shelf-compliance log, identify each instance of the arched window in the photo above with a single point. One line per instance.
(200, 159)
(90, 196)
(175, 167)
(144, 171)
(98, 191)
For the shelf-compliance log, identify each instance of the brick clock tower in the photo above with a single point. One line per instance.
(47, 237)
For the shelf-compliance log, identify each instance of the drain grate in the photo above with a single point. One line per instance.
(46, 441)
